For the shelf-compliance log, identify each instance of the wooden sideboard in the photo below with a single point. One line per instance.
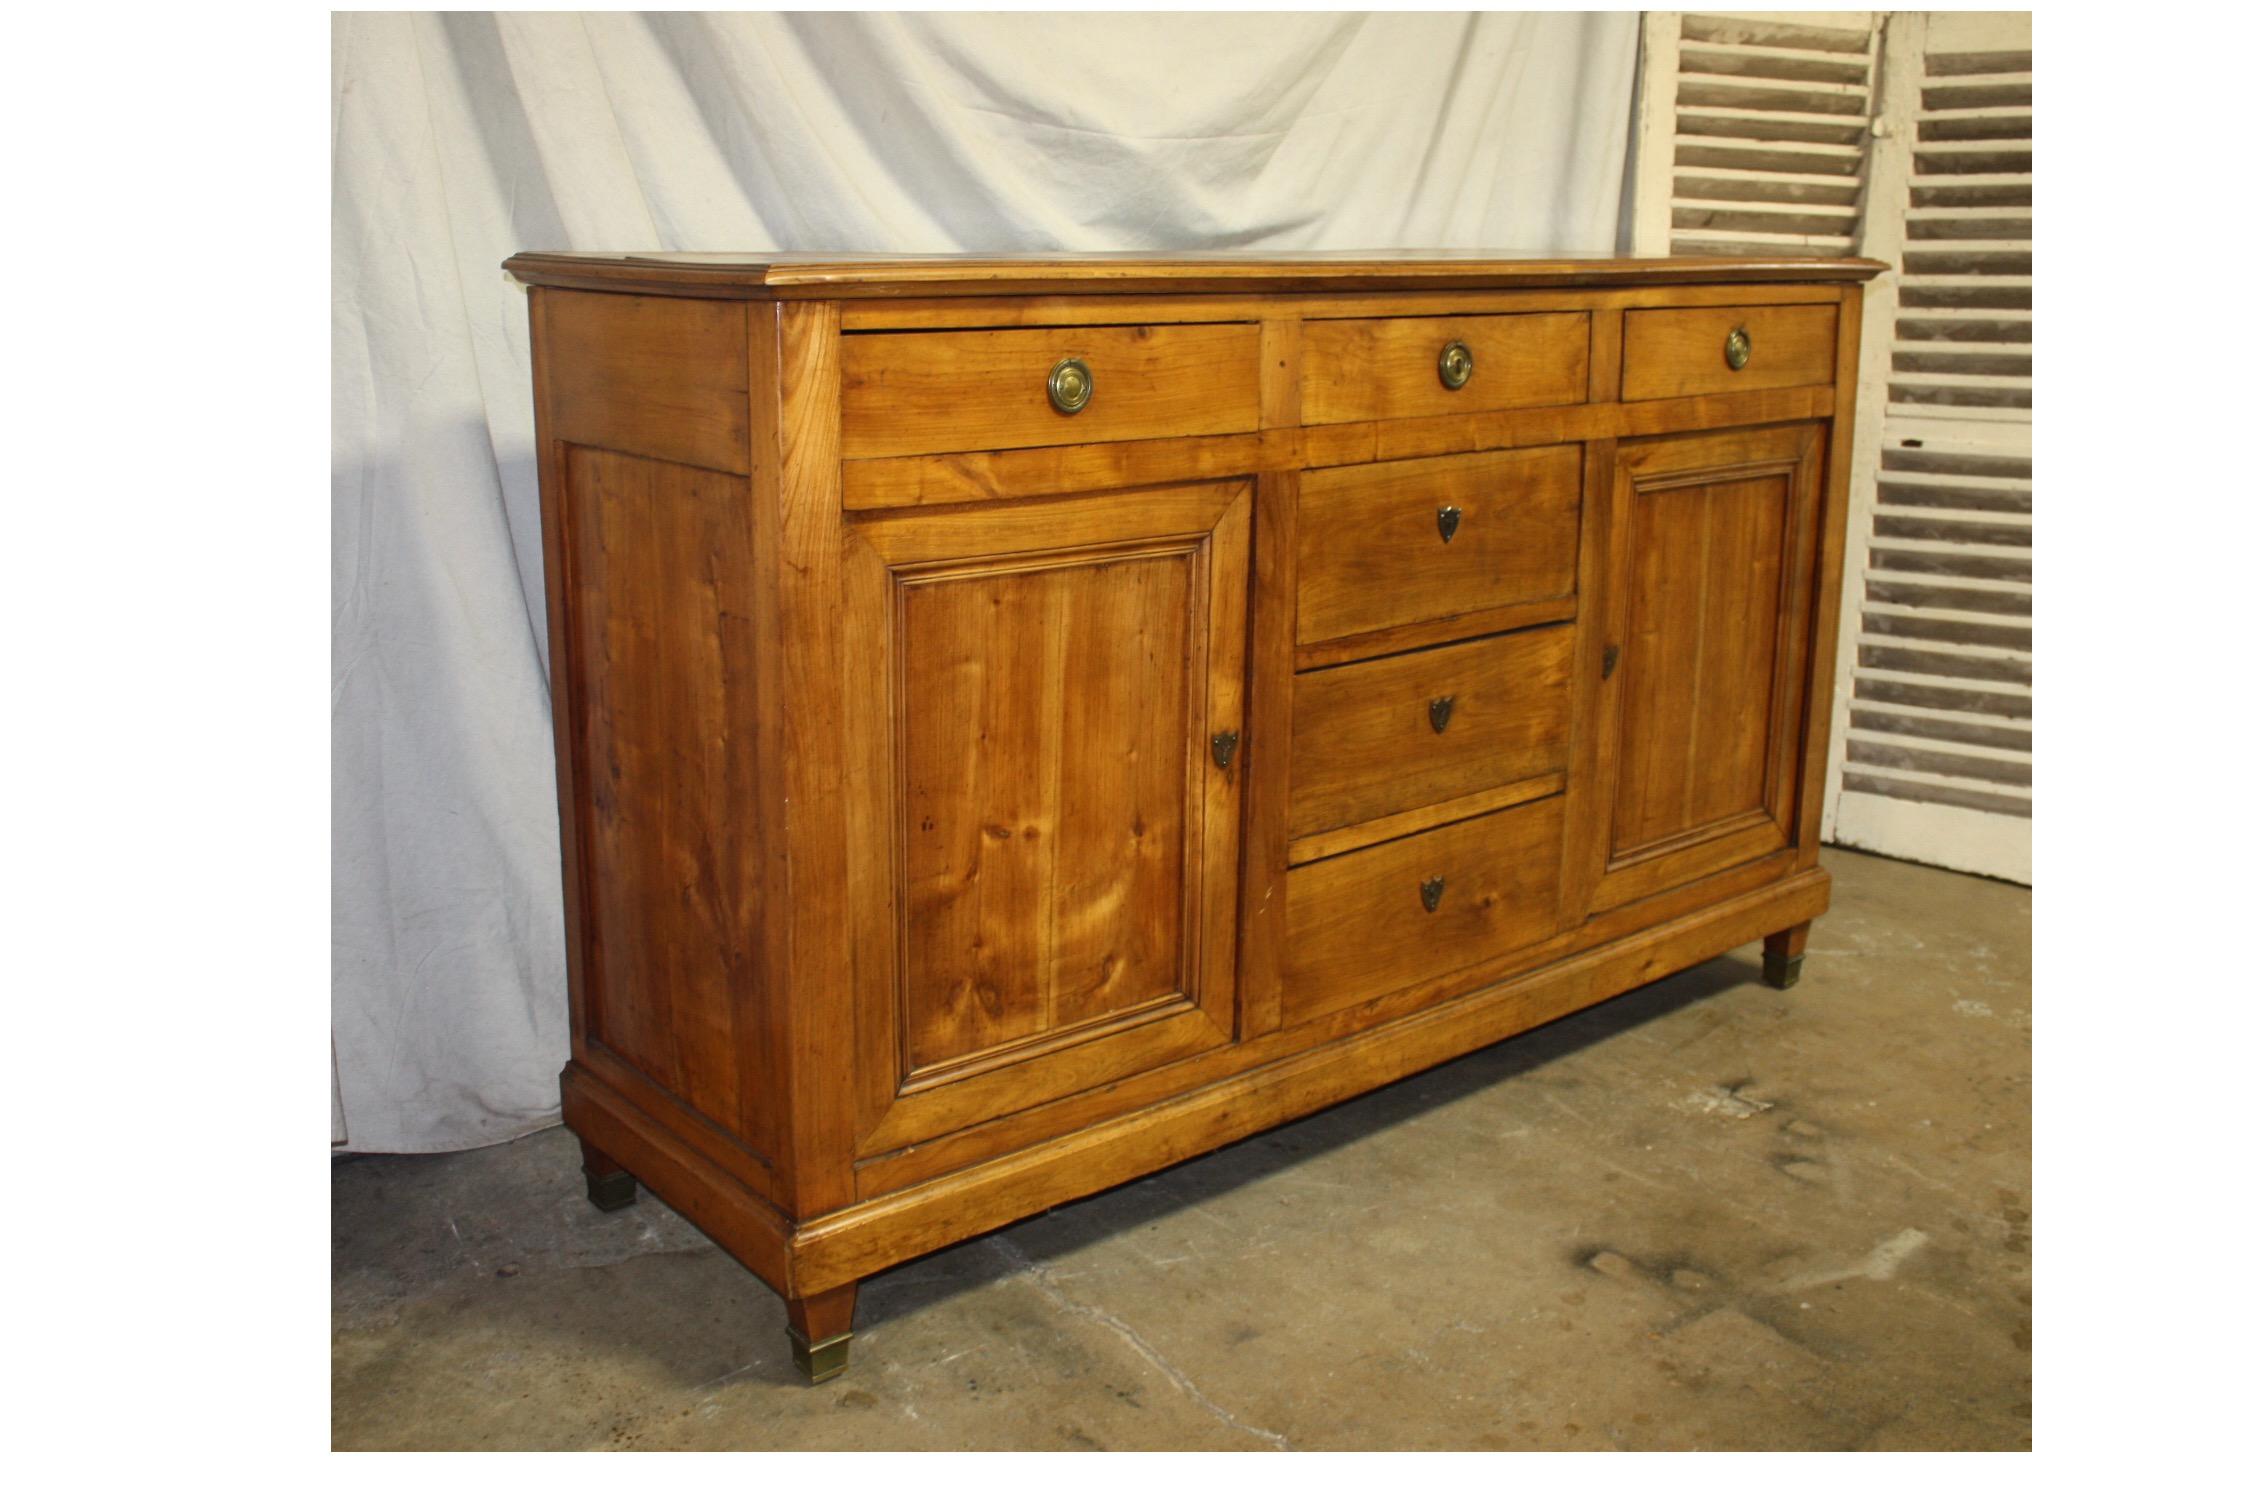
(1023, 723)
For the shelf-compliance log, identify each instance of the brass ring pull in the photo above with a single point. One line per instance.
(1071, 386)
(1738, 348)
(1456, 364)
(1429, 893)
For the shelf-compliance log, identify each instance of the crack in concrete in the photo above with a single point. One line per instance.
(1039, 1274)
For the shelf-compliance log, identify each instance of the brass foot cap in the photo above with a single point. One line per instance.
(820, 1361)
(1781, 972)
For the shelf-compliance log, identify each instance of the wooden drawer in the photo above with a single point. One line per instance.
(1680, 352)
(1358, 926)
(1354, 370)
(1374, 556)
(960, 389)
(1417, 738)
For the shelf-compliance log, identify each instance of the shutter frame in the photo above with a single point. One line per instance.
(1755, 134)
(1933, 728)
(1751, 132)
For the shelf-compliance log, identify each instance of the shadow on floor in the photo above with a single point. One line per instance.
(1076, 1224)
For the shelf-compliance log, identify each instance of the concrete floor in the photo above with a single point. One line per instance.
(1706, 1215)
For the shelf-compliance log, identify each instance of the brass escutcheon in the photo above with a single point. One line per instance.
(1447, 519)
(1071, 386)
(1438, 711)
(1456, 364)
(1738, 348)
(1429, 893)
(1225, 746)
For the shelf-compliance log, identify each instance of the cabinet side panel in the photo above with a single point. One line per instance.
(661, 643)
(666, 378)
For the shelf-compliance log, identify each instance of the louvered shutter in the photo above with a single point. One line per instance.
(1903, 136)
(1753, 132)
(1933, 726)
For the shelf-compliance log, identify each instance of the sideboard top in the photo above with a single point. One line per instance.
(777, 275)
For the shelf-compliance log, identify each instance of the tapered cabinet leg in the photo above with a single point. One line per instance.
(821, 1327)
(609, 1186)
(1782, 956)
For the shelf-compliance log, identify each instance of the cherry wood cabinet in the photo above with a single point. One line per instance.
(1712, 542)
(1022, 723)
(1042, 698)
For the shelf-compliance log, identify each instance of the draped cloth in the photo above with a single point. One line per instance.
(458, 139)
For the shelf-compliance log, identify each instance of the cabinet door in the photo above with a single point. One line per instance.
(1045, 873)
(1710, 553)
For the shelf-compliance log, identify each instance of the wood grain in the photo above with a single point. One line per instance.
(1699, 656)
(563, 700)
(694, 274)
(1355, 370)
(1605, 354)
(913, 1163)
(663, 378)
(1456, 627)
(1364, 744)
(1046, 796)
(904, 891)
(1043, 310)
(661, 639)
(822, 1316)
(1409, 438)
(1052, 676)
(989, 388)
(1678, 352)
(1267, 752)
(815, 949)
(754, 1231)
(1280, 372)
(1712, 541)
(1358, 927)
(890, 1229)
(1592, 734)
(1388, 827)
(1022, 474)
(1371, 553)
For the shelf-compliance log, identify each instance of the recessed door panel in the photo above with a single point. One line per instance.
(1045, 795)
(1700, 656)
(1710, 551)
(1049, 836)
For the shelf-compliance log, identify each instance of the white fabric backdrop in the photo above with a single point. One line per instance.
(458, 139)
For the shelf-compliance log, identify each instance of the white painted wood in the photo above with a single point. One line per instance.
(1914, 411)
(1887, 180)
(1978, 31)
(1973, 840)
(1656, 134)
(1823, 20)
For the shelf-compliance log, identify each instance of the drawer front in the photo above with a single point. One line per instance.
(1417, 729)
(1379, 547)
(1359, 926)
(1686, 352)
(1355, 370)
(954, 390)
